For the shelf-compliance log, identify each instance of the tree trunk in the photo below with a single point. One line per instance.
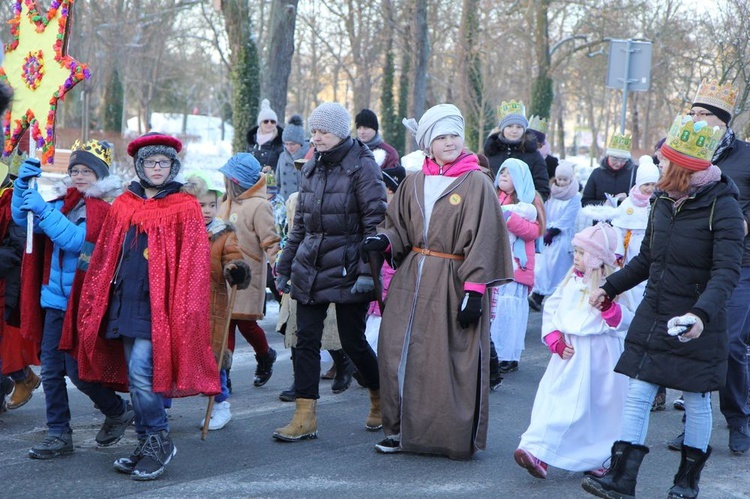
(422, 43)
(279, 55)
(541, 87)
(113, 103)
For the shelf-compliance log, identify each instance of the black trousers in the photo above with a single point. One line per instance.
(350, 318)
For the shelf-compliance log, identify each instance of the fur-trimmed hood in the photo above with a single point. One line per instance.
(105, 189)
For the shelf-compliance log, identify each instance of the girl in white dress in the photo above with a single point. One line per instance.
(578, 406)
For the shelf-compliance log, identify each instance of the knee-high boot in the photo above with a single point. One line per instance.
(620, 479)
(689, 474)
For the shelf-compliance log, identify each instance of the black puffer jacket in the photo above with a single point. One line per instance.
(606, 180)
(691, 258)
(267, 154)
(341, 201)
(11, 251)
(497, 150)
(734, 162)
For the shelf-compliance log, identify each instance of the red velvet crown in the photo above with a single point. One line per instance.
(154, 139)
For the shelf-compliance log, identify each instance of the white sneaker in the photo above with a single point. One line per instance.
(220, 416)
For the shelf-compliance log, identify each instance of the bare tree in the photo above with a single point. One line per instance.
(279, 54)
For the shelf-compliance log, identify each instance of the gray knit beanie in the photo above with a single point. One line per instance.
(514, 119)
(331, 117)
(294, 131)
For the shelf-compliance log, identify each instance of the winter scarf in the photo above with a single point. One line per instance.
(464, 163)
(698, 180)
(375, 141)
(726, 141)
(638, 198)
(563, 193)
(179, 277)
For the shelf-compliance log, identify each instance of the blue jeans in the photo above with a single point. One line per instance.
(733, 398)
(55, 365)
(698, 417)
(150, 415)
(224, 388)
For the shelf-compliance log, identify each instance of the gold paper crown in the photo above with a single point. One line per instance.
(100, 149)
(619, 145)
(538, 124)
(713, 93)
(512, 107)
(697, 140)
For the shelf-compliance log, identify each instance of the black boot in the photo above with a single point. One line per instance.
(619, 481)
(344, 371)
(264, 370)
(495, 377)
(689, 474)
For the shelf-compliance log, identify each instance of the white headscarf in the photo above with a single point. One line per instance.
(443, 119)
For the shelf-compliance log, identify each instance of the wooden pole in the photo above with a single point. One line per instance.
(209, 408)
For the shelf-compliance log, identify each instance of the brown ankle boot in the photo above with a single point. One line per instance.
(303, 424)
(24, 390)
(374, 419)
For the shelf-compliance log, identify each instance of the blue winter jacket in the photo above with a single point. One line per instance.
(67, 235)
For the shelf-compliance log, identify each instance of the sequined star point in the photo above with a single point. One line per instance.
(39, 71)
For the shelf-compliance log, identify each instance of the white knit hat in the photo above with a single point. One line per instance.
(266, 113)
(331, 117)
(647, 171)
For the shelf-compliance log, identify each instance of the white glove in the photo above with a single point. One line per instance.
(677, 326)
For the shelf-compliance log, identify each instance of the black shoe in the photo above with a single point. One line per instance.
(288, 395)
(535, 301)
(114, 428)
(158, 450)
(53, 446)
(344, 374)
(508, 366)
(495, 381)
(388, 446)
(265, 367)
(679, 404)
(127, 464)
(739, 439)
(676, 442)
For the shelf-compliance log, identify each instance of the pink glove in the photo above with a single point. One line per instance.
(555, 342)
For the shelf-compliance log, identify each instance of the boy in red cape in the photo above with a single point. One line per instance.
(145, 313)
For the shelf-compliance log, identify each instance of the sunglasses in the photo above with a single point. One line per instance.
(265, 122)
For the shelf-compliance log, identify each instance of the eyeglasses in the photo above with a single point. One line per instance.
(268, 121)
(700, 115)
(85, 173)
(162, 163)
(617, 161)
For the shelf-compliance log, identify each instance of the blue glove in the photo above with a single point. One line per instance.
(30, 168)
(33, 202)
(282, 284)
(364, 284)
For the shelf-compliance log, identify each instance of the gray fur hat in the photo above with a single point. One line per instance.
(331, 117)
(294, 130)
(151, 144)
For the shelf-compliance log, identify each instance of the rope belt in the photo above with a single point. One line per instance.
(427, 252)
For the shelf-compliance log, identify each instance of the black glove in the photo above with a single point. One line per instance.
(237, 275)
(551, 233)
(470, 310)
(376, 243)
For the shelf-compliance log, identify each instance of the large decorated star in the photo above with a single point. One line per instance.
(39, 71)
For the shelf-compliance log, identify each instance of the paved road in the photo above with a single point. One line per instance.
(242, 460)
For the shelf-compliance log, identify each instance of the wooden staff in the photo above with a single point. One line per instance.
(232, 296)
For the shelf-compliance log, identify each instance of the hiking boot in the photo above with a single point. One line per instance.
(688, 476)
(264, 370)
(508, 366)
(526, 460)
(53, 446)
(127, 464)
(620, 479)
(389, 445)
(114, 428)
(344, 371)
(374, 419)
(676, 442)
(24, 390)
(739, 439)
(220, 416)
(158, 450)
(303, 424)
(289, 395)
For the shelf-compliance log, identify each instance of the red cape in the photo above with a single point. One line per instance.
(179, 277)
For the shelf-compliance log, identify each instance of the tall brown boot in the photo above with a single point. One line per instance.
(24, 390)
(374, 419)
(303, 424)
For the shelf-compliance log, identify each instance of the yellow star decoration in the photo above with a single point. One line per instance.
(39, 71)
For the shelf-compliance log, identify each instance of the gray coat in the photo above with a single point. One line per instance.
(342, 200)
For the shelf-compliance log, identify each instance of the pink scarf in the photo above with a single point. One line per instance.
(464, 163)
(638, 198)
(563, 193)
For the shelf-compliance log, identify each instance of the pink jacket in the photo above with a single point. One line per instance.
(528, 232)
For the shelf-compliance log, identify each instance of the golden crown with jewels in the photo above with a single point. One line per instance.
(715, 94)
(697, 140)
(510, 107)
(99, 148)
(538, 124)
(619, 145)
